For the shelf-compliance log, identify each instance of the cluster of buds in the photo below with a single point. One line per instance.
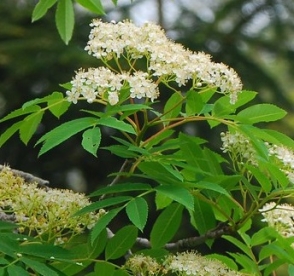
(48, 214)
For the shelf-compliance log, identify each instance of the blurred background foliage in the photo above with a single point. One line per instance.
(254, 37)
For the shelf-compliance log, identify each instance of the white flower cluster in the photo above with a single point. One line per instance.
(280, 217)
(47, 214)
(103, 83)
(166, 60)
(241, 150)
(239, 147)
(286, 157)
(192, 263)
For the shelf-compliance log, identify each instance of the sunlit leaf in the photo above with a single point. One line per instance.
(137, 211)
(91, 140)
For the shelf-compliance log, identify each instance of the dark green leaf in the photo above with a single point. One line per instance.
(61, 133)
(121, 151)
(137, 211)
(120, 188)
(39, 267)
(92, 5)
(41, 8)
(264, 235)
(14, 270)
(103, 222)
(166, 225)
(116, 124)
(102, 204)
(104, 268)
(179, 194)
(64, 19)
(4, 225)
(122, 241)
(203, 217)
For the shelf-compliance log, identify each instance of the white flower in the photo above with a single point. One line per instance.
(280, 217)
(113, 98)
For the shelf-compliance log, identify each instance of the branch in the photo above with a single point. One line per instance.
(29, 177)
(221, 229)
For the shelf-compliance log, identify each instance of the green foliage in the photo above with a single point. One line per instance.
(222, 191)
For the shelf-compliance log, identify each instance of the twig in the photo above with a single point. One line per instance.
(221, 229)
(116, 179)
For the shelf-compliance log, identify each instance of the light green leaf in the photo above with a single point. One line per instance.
(61, 133)
(39, 267)
(9, 132)
(120, 188)
(162, 201)
(194, 103)
(166, 225)
(57, 104)
(206, 185)
(91, 140)
(29, 125)
(116, 124)
(137, 211)
(239, 244)
(122, 241)
(20, 112)
(103, 222)
(41, 8)
(64, 18)
(262, 113)
(264, 235)
(92, 5)
(178, 194)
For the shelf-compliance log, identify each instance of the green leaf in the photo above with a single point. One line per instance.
(91, 140)
(9, 132)
(122, 241)
(173, 106)
(120, 188)
(29, 126)
(20, 112)
(61, 133)
(179, 194)
(137, 211)
(104, 268)
(57, 104)
(239, 244)
(45, 251)
(121, 151)
(4, 225)
(16, 271)
(103, 222)
(260, 175)
(64, 18)
(194, 103)
(92, 5)
(41, 8)
(203, 217)
(162, 201)
(166, 225)
(262, 113)
(264, 235)
(102, 204)
(39, 267)
(116, 124)
(247, 263)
